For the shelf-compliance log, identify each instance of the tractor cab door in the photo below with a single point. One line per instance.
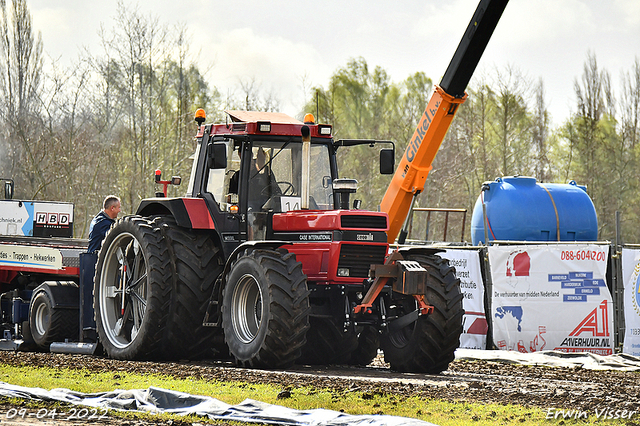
(272, 183)
(216, 192)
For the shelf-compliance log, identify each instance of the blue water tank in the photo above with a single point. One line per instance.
(521, 209)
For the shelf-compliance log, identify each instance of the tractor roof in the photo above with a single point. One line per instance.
(251, 116)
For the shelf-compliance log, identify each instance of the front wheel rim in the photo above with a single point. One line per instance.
(247, 309)
(123, 290)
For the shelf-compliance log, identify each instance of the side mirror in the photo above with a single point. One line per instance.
(217, 156)
(387, 161)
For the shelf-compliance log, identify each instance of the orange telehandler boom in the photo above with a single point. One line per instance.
(411, 174)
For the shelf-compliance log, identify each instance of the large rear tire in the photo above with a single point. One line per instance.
(265, 310)
(197, 262)
(428, 345)
(132, 291)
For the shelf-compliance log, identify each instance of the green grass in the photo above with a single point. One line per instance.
(439, 412)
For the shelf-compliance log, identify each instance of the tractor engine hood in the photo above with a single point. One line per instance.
(318, 226)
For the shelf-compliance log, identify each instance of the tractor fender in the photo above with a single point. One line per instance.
(63, 294)
(190, 213)
(404, 251)
(269, 245)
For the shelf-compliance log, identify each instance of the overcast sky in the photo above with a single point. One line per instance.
(285, 45)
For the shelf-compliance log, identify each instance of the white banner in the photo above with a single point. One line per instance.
(551, 297)
(467, 264)
(631, 283)
(30, 257)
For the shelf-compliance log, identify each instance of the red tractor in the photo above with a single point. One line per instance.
(265, 259)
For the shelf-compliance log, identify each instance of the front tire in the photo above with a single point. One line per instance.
(132, 290)
(428, 345)
(265, 310)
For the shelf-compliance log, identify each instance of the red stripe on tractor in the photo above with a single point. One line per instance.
(198, 213)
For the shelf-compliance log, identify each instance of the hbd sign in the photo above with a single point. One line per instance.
(53, 219)
(36, 218)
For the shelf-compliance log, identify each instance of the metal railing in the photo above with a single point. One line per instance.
(446, 212)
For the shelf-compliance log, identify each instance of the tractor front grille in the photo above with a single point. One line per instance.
(359, 258)
(363, 221)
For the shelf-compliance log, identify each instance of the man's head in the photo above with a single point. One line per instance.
(111, 206)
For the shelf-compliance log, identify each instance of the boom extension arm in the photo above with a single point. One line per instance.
(415, 165)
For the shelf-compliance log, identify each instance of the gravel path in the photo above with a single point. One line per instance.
(467, 381)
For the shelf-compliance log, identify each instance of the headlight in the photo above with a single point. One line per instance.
(343, 272)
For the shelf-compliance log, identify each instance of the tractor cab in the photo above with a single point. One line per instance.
(260, 164)
(254, 168)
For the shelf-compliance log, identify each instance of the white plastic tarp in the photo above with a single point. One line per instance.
(158, 400)
(589, 361)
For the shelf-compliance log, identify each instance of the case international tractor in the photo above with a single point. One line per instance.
(266, 261)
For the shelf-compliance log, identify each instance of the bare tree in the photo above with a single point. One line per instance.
(20, 85)
(511, 123)
(600, 155)
(591, 107)
(540, 134)
(254, 98)
(630, 105)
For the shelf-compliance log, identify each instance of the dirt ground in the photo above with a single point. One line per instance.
(464, 381)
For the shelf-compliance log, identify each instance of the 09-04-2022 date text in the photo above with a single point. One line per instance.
(86, 414)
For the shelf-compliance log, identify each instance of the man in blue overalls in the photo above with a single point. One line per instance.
(97, 231)
(102, 222)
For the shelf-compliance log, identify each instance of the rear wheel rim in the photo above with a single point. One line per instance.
(42, 319)
(246, 308)
(123, 290)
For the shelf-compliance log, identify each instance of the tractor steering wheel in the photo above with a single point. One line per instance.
(289, 188)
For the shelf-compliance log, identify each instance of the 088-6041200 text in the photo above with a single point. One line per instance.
(87, 414)
(598, 256)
